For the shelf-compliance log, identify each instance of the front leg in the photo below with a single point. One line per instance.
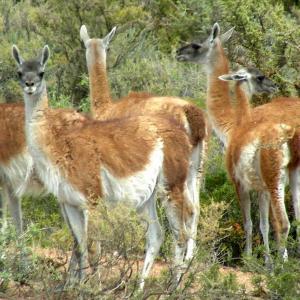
(14, 205)
(77, 220)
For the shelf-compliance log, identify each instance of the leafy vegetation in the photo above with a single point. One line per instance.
(141, 57)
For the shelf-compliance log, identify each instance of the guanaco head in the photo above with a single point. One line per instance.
(256, 81)
(31, 72)
(201, 53)
(97, 47)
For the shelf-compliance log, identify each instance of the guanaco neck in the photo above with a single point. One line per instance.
(243, 108)
(219, 106)
(34, 105)
(99, 88)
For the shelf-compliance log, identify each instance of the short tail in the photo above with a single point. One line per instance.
(200, 133)
(294, 146)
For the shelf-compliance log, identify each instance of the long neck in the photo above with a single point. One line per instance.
(33, 104)
(99, 87)
(219, 106)
(243, 108)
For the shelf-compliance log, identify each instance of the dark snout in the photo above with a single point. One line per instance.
(180, 57)
(272, 86)
(179, 54)
(29, 83)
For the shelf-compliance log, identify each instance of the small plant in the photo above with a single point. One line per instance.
(284, 281)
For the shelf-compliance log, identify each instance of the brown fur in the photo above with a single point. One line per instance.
(80, 147)
(181, 110)
(197, 122)
(219, 106)
(270, 158)
(243, 109)
(282, 109)
(294, 145)
(260, 124)
(271, 136)
(102, 99)
(137, 104)
(12, 138)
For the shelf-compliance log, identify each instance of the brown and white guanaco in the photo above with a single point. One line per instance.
(142, 104)
(265, 167)
(81, 160)
(222, 114)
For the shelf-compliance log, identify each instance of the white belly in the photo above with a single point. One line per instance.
(20, 174)
(135, 189)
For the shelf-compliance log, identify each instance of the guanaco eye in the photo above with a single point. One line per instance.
(41, 74)
(20, 74)
(260, 78)
(196, 46)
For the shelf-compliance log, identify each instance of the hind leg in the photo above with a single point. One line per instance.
(193, 183)
(245, 204)
(3, 210)
(154, 237)
(274, 174)
(179, 213)
(295, 190)
(281, 218)
(192, 226)
(264, 207)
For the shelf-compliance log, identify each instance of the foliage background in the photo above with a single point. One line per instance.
(142, 54)
(142, 57)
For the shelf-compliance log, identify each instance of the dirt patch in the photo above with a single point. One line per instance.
(59, 259)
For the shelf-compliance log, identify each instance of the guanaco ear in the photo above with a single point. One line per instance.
(45, 56)
(215, 32)
(226, 77)
(106, 40)
(227, 35)
(84, 34)
(16, 55)
(239, 76)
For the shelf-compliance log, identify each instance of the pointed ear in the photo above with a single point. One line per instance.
(106, 40)
(227, 35)
(215, 32)
(16, 55)
(239, 76)
(226, 77)
(84, 34)
(45, 56)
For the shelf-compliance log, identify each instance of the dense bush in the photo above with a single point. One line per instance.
(267, 35)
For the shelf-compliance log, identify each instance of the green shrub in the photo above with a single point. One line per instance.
(284, 282)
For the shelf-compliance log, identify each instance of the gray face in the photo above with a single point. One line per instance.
(193, 52)
(199, 52)
(31, 75)
(31, 72)
(260, 83)
(203, 53)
